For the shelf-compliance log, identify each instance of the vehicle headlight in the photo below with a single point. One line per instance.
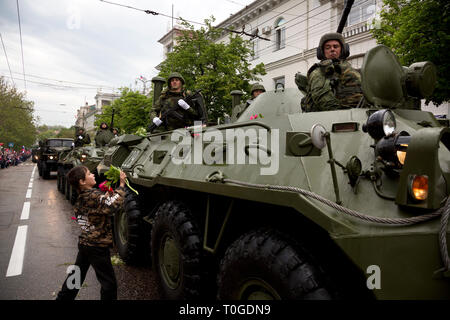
(418, 187)
(380, 124)
(392, 149)
(83, 157)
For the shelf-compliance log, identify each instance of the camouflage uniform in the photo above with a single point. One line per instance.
(81, 139)
(332, 84)
(168, 100)
(240, 108)
(102, 137)
(93, 210)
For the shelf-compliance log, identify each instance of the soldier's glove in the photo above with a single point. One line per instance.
(157, 121)
(183, 104)
(80, 137)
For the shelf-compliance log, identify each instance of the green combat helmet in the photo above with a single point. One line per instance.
(345, 51)
(257, 86)
(175, 75)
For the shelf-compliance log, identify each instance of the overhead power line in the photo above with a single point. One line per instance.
(190, 21)
(9, 67)
(21, 45)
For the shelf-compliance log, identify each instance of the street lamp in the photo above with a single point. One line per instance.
(144, 81)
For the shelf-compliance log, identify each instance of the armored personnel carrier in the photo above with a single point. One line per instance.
(88, 156)
(289, 205)
(48, 154)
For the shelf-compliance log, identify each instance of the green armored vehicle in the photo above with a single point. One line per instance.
(88, 156)
(290, 205)
(48, 154)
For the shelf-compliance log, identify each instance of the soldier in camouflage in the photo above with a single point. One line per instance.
(81, 138)
(332, 83)
(256, 90)
(103, 136)
(93, 210)
(171, 111)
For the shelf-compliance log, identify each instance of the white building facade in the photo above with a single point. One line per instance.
(292, 29)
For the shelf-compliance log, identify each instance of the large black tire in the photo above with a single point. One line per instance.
(59, 180)
(264, 264)
(45, 171)
(73, 195)
(67, 189)
(39, 165)
(176, 250)
(129, 236)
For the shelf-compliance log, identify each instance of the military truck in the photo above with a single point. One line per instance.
(48, 154)
(283, 204)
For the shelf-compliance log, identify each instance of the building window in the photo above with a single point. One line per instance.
(280, 34)
(169, 48)
(362, 10)
(278, 82)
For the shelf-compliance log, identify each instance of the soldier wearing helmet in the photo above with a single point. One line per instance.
(173, 99)
(255, 91)
(103, 135)
(332, 83)
(81, 137)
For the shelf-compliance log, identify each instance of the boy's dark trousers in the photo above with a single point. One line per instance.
(100, 260)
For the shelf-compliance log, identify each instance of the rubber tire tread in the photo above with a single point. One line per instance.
(175, 218)
(271, 256)
(132, 252)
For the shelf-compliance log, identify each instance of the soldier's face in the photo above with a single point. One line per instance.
(332, 49)
(257, 93)
(175, 84)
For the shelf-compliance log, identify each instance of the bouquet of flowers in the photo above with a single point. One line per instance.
(113, 176)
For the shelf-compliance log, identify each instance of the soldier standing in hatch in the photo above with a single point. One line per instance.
(171, 111)
(81, 138)
(256, 90)
(332, 83)
(103, 136)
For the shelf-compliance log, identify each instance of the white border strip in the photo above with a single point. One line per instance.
(25, 211)
(16, 262)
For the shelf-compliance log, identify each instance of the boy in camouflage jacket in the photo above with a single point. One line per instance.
(93, 210)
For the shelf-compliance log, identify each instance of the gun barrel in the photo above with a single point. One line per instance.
(345, 13)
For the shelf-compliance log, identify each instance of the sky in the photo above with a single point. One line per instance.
(73, 48)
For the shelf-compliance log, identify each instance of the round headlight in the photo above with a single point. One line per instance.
(380, 124)
(393, 149)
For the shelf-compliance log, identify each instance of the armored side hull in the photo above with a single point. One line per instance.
(291, 205)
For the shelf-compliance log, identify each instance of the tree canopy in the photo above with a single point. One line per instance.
(131, 111)
(216, 68)
(419, 30)
(16, 117)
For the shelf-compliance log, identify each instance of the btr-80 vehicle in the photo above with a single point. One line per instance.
(48, 154)
(284, 204)
(88, 156)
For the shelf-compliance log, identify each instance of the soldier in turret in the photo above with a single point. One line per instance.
(171, 111)
(256, 90)
(332, 83)
(103, 135)
(81, 138)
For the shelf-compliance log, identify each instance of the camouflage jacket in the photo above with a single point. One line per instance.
(93, 210)
(331, 86)
(102, 137)
(239, 109)
(178, 117)
(81, 139)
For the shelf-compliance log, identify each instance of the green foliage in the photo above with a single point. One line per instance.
(16, 117)
(215, 68)
(113, 177)
(131, 111)
(419, 30)
(45, 132)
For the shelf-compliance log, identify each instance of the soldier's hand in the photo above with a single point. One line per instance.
(157, 121)
(183, 104)
(123, 178)
(80, 137)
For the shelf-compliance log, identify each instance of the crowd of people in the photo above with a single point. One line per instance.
(9, 157)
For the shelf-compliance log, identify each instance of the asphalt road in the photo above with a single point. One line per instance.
(38, 241)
